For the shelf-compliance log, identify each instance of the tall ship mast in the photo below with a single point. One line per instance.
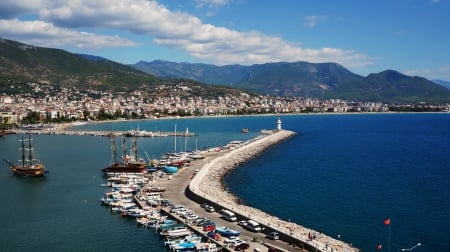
(129, 163)
(29, 166)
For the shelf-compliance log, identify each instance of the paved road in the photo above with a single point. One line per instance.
(175, 191)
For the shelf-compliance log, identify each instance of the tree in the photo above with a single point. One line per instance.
(31, 118)
(86, 114)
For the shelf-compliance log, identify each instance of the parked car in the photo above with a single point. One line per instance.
(241, 246)
(242, 223)
(210, 209)
(231, 239)
(273, 236)
(235, 242)
(211, 226)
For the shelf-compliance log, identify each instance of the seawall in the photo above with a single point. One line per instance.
(207, 186)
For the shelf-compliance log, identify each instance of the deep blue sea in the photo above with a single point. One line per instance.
(341, 175)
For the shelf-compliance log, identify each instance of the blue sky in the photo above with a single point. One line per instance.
(410, 36)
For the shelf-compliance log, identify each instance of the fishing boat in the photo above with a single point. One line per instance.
(176, 232)
(29, 166)
(129, 163)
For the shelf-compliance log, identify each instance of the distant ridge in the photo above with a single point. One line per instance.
(21, 64)
(321, 80)
(443, 83)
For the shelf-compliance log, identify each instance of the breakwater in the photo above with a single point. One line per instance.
(100, 133)
(208, 185)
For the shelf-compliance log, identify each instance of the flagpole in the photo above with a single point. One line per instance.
(387, 222)
(389, 236)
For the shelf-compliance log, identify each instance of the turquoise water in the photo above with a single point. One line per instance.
(342, 174)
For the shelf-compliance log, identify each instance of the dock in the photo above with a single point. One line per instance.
(191, 189)
(52, 131)
(6, 132)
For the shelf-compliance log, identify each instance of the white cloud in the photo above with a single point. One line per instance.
(46, 34)
(177, 30)
(441, 73)
(311, 21)
(212, 3)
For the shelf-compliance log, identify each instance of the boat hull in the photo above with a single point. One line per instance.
(29, 172)
(127, 168)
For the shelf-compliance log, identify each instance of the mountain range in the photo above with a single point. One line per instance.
(322, 80)
(442, 83)
(21, 63)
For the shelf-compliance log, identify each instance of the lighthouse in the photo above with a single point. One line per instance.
(278, 124)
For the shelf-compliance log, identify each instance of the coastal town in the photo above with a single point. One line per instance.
(196, 183)
(51, 103)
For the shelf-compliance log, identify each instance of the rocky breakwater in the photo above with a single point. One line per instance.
(208, 184)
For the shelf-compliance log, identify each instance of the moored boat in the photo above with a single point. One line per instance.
(176, 232)
(129, 163)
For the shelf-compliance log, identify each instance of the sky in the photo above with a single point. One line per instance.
(409, 36)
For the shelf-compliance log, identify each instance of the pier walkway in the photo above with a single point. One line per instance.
(101, 133)
(206, 187)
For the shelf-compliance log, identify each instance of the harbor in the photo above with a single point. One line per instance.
(200, 183)
(309, 179)
(204, 186)
(129, 133)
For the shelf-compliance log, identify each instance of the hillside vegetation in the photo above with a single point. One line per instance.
(322, 80)
(21, 64)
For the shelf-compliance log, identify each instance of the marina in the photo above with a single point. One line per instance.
(200, 182)
(68, 199)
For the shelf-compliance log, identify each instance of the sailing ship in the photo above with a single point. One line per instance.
(29, 166)
(129, 163)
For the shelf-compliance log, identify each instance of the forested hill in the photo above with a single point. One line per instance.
(322, 80)
(21, 64)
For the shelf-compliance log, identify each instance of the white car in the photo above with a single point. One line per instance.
(236, 242)
(273, 236)
(231, 239)
(242, 223)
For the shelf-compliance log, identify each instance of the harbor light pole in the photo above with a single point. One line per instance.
(413, 247)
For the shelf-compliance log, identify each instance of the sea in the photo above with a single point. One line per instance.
(341, 175)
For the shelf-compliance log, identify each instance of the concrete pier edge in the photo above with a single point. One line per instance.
(207, 186)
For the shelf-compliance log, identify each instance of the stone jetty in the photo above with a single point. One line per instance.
(208, 184)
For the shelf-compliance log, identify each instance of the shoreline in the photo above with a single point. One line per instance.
(69, 125)
(210, 178)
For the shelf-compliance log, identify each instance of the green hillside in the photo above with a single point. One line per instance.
(21, 64)
(322, 80)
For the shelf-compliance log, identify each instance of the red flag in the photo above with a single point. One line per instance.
(379, 247)
(387, 221)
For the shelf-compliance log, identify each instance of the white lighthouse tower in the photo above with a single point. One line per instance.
(278, 124)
